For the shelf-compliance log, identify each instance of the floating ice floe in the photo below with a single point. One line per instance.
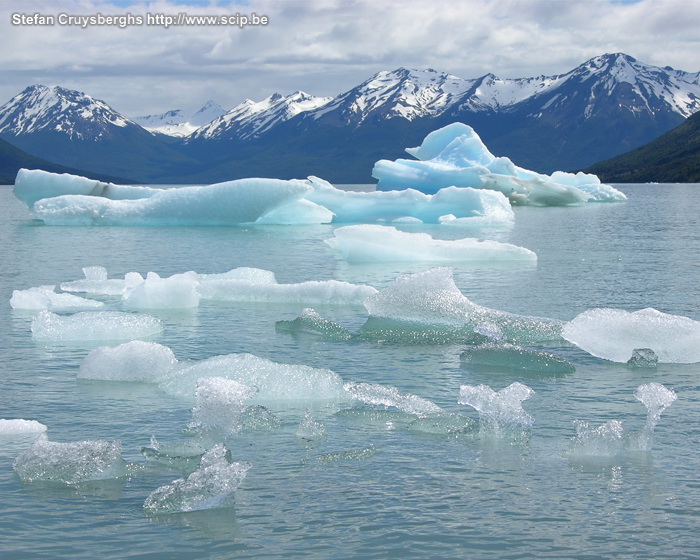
(309, 322)
(615, 334)
(186, 290)
(450, 205)
(135, 361)
(376, 243)
(212, 485)
(155, 363)
(376, 394)
(456, 156)
(220, 402)
(20, 426)
(93, 326)
(70, 463)
(46, 297)
(498, 410)
(429, 307)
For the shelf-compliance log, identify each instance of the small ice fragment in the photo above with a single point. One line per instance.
(139, 361)
(498, 410)
(376, 394)
(310, 322)
(212, 485)
(643, 358)
(220, 403)
(605, 441)
(45, 297)
(354, 455)
(70, 463)
(656, 398)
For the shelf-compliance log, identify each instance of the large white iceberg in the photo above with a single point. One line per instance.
(456, 156)
(614, 334)
(71, 200)
(374, 243)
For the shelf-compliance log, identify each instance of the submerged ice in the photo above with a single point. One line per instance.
(93, 326)
(499, 411)
(456, 156)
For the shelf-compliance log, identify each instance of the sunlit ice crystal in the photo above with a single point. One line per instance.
(656, 398)
(498, 410)
(220, 402)
(605, 441)
(212, 485)
(376, 394)
(70, 463)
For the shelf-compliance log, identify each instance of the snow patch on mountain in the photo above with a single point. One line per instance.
(181, 122)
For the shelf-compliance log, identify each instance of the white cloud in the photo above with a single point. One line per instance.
(327, 46)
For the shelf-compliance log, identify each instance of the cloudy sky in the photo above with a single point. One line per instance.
(323, 47)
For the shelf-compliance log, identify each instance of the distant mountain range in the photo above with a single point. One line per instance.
(674, 157)
(604, 107)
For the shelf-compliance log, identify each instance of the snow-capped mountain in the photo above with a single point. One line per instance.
(602, 108)
(250, 119)
(53, 108)
(181, 122)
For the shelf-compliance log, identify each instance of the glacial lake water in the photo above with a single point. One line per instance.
(373, 488)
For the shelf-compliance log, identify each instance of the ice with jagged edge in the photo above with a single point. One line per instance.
(186, 290)
(46, 298)
(429, 306)
(93, 326)
(499, 411)
(615, 335)
(455, 156)
(220, 402)
(376, 394)
(368, 243)
(155, 363)
(73, 200)
(212, 485)
(656, 398)
(70, 463)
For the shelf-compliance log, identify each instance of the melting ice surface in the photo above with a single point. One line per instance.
(220, 402)
(656, 398)
(456, 156)
(498, 410)
(510, 356)
(70, 463)
(93, 325)
(429, 306)
(186, 290)
(72, 200)
(46, 297)
(376, 394)
(376, 243)
(615, 334)
(237, 376)
(212, 485)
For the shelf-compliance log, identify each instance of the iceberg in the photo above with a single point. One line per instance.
(93, 325)
(135, 361)
(96, 282)
(212, 485)
(67, 200)
(450, 205)
(429, 307)
(455, 156)
(615, 334)
(46, 298)
(376, 243)
(178, 291)
(70, 463)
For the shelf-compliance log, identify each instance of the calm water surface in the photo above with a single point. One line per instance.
(417, 496)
